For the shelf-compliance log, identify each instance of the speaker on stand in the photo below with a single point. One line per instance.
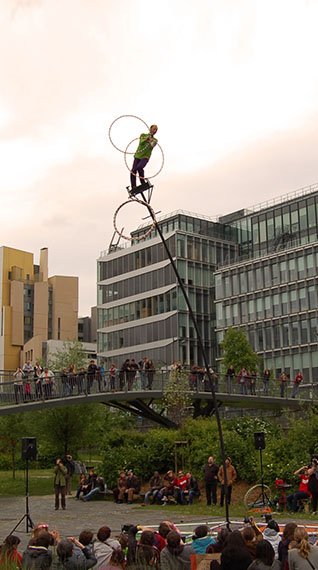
(28, 453)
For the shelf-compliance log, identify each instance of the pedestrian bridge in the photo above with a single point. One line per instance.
(30, 396)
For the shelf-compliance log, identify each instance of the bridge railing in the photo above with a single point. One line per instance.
(13, 391)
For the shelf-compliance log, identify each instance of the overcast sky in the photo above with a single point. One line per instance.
(232, 85)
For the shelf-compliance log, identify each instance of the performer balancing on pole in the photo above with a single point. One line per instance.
(147, 142)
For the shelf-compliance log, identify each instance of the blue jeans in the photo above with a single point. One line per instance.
(92, 494)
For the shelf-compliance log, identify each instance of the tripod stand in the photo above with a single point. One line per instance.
(28, 521)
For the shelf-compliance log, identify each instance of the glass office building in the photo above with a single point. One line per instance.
(255, 269)
(141, 308)
(270, 290)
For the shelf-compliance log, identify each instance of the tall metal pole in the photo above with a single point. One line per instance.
(205, 358)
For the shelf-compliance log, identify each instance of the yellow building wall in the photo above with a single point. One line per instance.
(65, 307)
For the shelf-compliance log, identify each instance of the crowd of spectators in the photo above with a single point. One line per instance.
(165, 548)
(34, 382)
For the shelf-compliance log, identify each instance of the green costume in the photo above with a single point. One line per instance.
(145, 146)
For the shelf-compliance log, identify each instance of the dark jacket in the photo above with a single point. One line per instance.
(36, 558)
(211, 473)
(238, 561)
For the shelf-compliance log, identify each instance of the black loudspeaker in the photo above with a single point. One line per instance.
(259, 440)
(29, 448)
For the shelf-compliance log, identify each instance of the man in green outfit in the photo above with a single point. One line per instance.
(60, 471)
(147, 142)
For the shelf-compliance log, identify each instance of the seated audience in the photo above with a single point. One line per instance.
(176, 555)
(117, 560)
(283, 547)
(133, 487)
(201, 539)
(9, 555)
(271, 533)
(155, 484)
(69, 560)
(99, 489)
(265, 557)
(192, 489)
(147, 554)
(180, 488)
(82, 487)
(104, 546)
(119, 491)
(302, 555)
(302, 493)
(38, 555)
(235, 555)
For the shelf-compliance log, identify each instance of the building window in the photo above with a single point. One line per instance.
(59, 328)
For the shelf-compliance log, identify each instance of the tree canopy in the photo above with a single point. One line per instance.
(237, 351)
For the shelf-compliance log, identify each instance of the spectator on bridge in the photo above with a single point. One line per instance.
(155, 484)
(60, 472)
(302, 493)
(103, 547)
(253, 377)
(10, 557)
(150, 368)
(119, 491)
(123, 374)
(47, 380)
(244, 379)
(230, 375)
(283, 380)
(297, 381)
(112, 377)
(266, 378)
(18, 385)
(231, 478)
(80, 380)
(27, 375)
(131, 373)
(91, 373)
(211, 470)
(37, 371)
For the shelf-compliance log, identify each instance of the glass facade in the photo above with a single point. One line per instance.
(273, 294)
(141, 307)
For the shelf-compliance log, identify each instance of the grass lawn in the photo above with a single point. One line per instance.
(40, 483)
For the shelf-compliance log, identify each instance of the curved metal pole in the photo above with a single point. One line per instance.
(206, 363)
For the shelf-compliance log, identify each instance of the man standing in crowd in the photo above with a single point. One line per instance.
(211, 480)
(230, 476)
(60, 473)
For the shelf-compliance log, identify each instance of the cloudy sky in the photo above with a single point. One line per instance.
(232, 84)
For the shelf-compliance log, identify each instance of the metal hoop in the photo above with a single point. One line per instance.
(112, 124)
(142, 236)
(135, 174)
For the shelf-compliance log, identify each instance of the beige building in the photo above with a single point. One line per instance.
(34, 307)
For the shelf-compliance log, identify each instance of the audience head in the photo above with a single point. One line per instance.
(164, 529)
(235, 541)
(201, 531)
(117, 558)
(10, 543)
(301, 541)
(43, 539)
(273, 525)
(86, 537)
(265, 552)
(103, 533)
(288, 532)
(64, 549)
(147, 538)
(248, 534)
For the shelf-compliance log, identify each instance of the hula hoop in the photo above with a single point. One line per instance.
(135, 174)
(112, 124)
(142, 236)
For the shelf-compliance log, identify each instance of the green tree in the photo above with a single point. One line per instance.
(176, 396)
(237, 351)
(12, 429)
(72, 352)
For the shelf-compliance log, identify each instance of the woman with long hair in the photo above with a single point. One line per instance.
(265, 557)
(283, 547)
(235, 555)
(302, 555)
(9, 555)
(147, 555)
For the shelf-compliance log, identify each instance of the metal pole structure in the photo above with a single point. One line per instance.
(262, 476)
(206, 362)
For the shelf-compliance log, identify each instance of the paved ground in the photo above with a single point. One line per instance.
(79, 515)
